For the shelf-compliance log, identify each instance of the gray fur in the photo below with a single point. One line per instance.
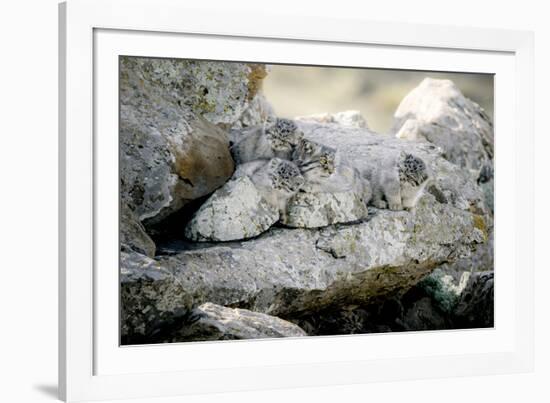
(314, 160)
(398, 181)
(275, 141)
(277, 180)
(325, 171)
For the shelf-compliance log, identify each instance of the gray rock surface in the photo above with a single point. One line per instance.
(235, 211)
(133, 235)
(450, 279)
(476, 306)
(350, 118)
(258, 112)
(314, 210)
(287, 271)
(214, 322)
(436, 111)
(153, 301)
(423, 315)
(172, 149)
(218, 91)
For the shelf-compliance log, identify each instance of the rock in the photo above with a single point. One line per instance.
(441, 291)
(172, 149)
(235, 211)
(287, 271)
(132, 233)
(476, 306)
(487, 184)
(218, 91)
(313, 210)
(346, 119)
(437, 111)
(428, 305)
(422, 315)
(446, 284)
(375, 318)
(215, 322)
(152, 300)
(258, 113)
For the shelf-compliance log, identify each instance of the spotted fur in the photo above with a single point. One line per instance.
(314, 160)
(398, 181)
(275, 141)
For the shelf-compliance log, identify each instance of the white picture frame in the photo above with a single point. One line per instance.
(92, 365)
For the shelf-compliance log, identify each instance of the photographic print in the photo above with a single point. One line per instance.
(265, 200)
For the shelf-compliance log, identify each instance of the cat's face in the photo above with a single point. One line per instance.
(285, 176)
(412, 171)
(311, 157)
(413, 177)
(284, 135)
(328, 161)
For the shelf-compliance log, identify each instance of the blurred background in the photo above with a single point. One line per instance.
(304, 90)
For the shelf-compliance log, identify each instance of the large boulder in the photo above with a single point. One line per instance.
(172, 147)
(437, 112)
(218, 91)
(291, 272)
(214, 322)
(153, 301)
(235, 211)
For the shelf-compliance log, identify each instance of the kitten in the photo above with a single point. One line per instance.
(326, 172)
(315, 161)
(398, 182)
(277, 180)
(275, 141)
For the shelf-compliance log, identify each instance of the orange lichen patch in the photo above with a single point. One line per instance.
(257, 73)
(480, 224)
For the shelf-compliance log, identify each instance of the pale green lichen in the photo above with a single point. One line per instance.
(442, 290)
